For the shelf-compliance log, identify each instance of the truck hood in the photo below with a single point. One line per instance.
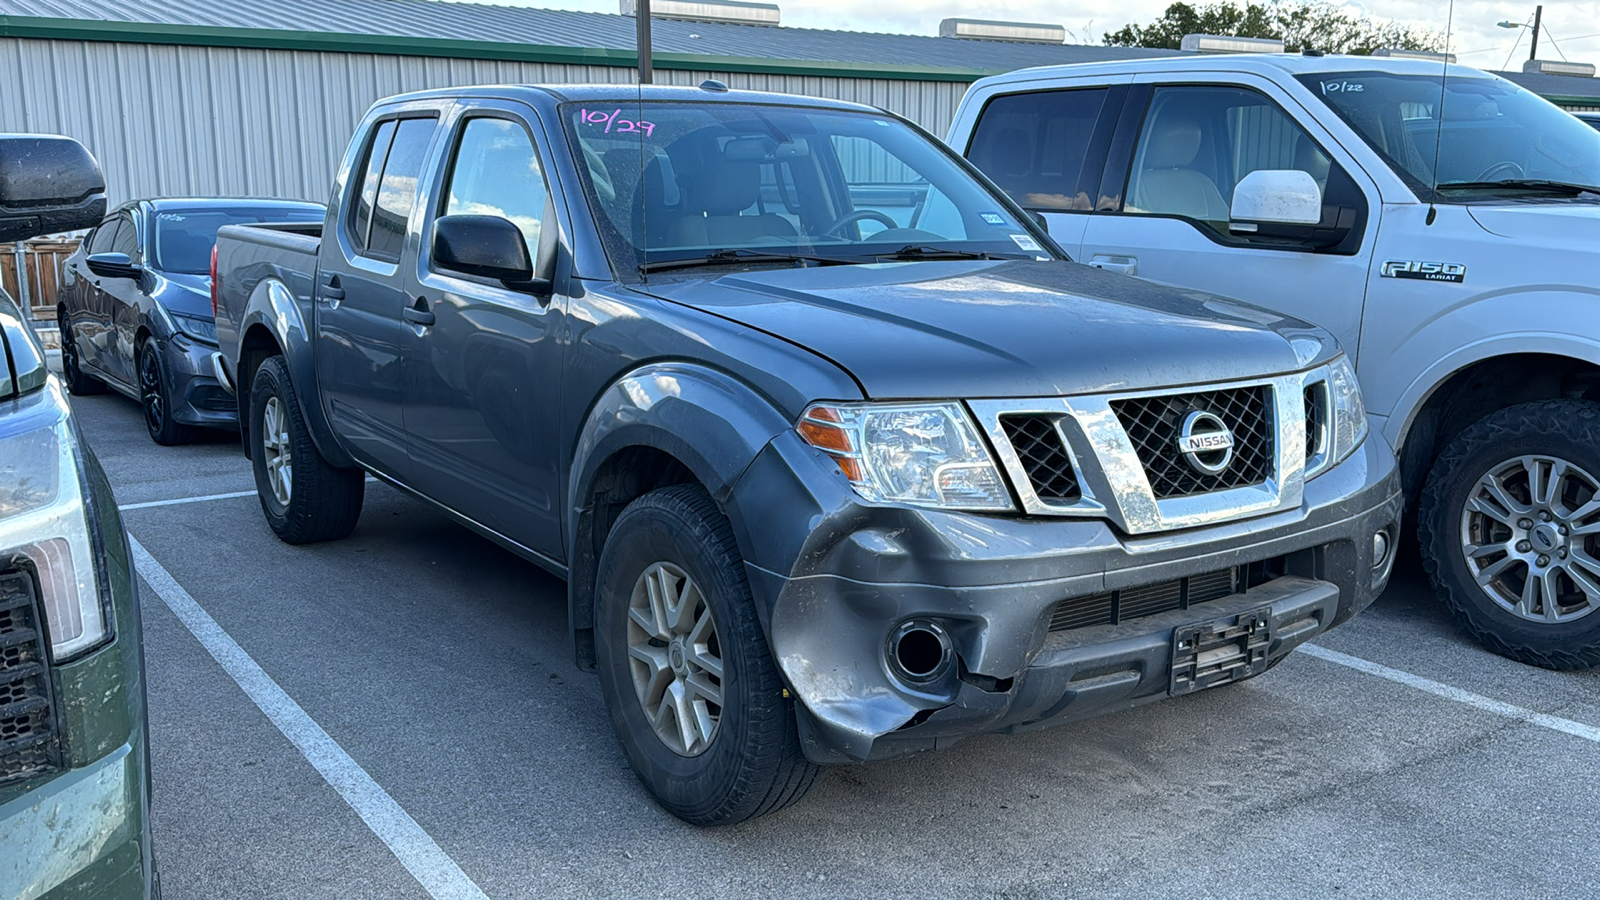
(1005, 328)
(1574, 224)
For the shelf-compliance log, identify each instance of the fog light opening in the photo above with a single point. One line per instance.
(920, 651)
(1380, 548)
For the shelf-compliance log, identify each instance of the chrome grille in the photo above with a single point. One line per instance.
(1044, 457)
(1153, 425)
(1112, 607)
(1316, 416)
(28, 745)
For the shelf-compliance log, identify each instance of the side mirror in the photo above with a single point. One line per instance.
(488, 247)
(48, 183)
(113, 265)
(1275, 197)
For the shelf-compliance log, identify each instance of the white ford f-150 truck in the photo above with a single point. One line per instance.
(1442, 222)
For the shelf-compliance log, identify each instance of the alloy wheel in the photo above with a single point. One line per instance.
(276, 450)
(155, 407)
(675, 658)
(1530, 532)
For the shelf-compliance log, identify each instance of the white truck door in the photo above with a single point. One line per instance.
(1195, 142)
(1045, 145)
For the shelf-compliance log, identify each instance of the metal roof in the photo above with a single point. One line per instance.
(426, 20)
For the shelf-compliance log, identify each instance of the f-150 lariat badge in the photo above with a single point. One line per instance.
(1424, 271)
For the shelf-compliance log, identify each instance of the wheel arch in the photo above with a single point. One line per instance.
(660, 425)
(1461, 389)
(273, 324)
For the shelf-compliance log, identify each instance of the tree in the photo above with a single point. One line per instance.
(1301, 24)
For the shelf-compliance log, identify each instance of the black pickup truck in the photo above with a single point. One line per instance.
(840, 457)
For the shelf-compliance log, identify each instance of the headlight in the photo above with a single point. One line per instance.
(44, 526)
(196, 327)
(1349, 412)
(927, 454)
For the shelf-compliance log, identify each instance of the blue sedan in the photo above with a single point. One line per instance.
(135, 308)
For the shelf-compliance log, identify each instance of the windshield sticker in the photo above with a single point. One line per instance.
(1424, 271)
(611, 120)
(1343, 87)
(1026, 243)
(992, 218)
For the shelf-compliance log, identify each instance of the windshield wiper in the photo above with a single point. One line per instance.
(916, 251)
(1520, 184)
(734, 256)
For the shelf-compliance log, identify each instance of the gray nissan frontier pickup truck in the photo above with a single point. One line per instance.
(840, 457)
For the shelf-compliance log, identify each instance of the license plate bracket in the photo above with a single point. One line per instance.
(1221, 651)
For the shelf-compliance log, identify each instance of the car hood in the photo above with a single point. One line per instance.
(188, 295)
(1567, 224)
(1005, 328)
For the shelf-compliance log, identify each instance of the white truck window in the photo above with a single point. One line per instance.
(1197, 142)
(1036, 146)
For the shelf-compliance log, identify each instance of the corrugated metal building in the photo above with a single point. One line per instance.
(240, 97)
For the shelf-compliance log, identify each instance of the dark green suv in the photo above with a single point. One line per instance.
(74, 764)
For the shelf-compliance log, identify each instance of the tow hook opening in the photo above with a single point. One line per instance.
(920, 651)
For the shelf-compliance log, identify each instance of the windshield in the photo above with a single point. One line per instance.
(682, 181)
(182, 240)
(1493, 131)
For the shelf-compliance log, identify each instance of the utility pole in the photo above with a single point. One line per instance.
(1533, 53)
(641, 13)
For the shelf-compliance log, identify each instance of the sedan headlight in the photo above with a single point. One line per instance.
(1349, 424)
(196, 327)
(927, 454)
(44, 524)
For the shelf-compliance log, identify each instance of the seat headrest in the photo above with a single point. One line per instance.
(721, 190)
(1174, 141)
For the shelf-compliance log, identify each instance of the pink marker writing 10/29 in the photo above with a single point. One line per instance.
(611, 120)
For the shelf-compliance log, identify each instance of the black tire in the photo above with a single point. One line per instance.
(77, 381)
(155, 398)
(753, 764)
(1564, 429)
(324, 502)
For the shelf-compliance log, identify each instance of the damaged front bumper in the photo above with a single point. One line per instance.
(1044, 620)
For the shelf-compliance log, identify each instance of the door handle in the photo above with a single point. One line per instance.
(418, 315)
(330, 289)
(1122, 265)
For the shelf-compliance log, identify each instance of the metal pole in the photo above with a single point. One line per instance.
(19, 258)
(641, 14)
(1538, 15)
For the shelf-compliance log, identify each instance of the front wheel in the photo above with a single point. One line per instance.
(1510, 529)
(155, 396)
(691, 686)
(305, 499)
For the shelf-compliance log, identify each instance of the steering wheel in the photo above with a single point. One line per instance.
(1508, 167)
(859, 216)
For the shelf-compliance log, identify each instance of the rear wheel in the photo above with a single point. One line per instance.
(72, 372)
(155, 396)
(304, 498)
(1510, 529)
(691, 686)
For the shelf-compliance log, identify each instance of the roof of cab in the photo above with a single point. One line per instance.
(621, 93)
(1262, 63)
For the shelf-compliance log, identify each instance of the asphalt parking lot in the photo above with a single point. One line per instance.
(432, 736)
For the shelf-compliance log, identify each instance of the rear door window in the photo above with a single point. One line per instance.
(366, 190)
(397, 189)
(1037, 147)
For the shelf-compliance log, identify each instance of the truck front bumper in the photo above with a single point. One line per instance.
(992, 585)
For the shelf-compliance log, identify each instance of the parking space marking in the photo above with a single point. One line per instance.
(418, 852)
(1438, 689)
(174, 502)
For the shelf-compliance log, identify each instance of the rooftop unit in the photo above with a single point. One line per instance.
(985, 30)
(1552, 67)
(1402, 53)
(1218, 43)
(736, 12)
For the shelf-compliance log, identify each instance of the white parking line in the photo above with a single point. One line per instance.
(1438, 689)
(201, 499)
(431, 866)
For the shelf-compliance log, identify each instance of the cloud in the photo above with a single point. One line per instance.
(1575, 26)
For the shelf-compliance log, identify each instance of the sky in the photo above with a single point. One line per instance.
(1574, 25)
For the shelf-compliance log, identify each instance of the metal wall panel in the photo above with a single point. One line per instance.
(171, 121)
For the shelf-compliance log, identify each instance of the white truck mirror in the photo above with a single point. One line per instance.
(1277, 197)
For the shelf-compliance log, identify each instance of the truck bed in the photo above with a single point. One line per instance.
(247, 256)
